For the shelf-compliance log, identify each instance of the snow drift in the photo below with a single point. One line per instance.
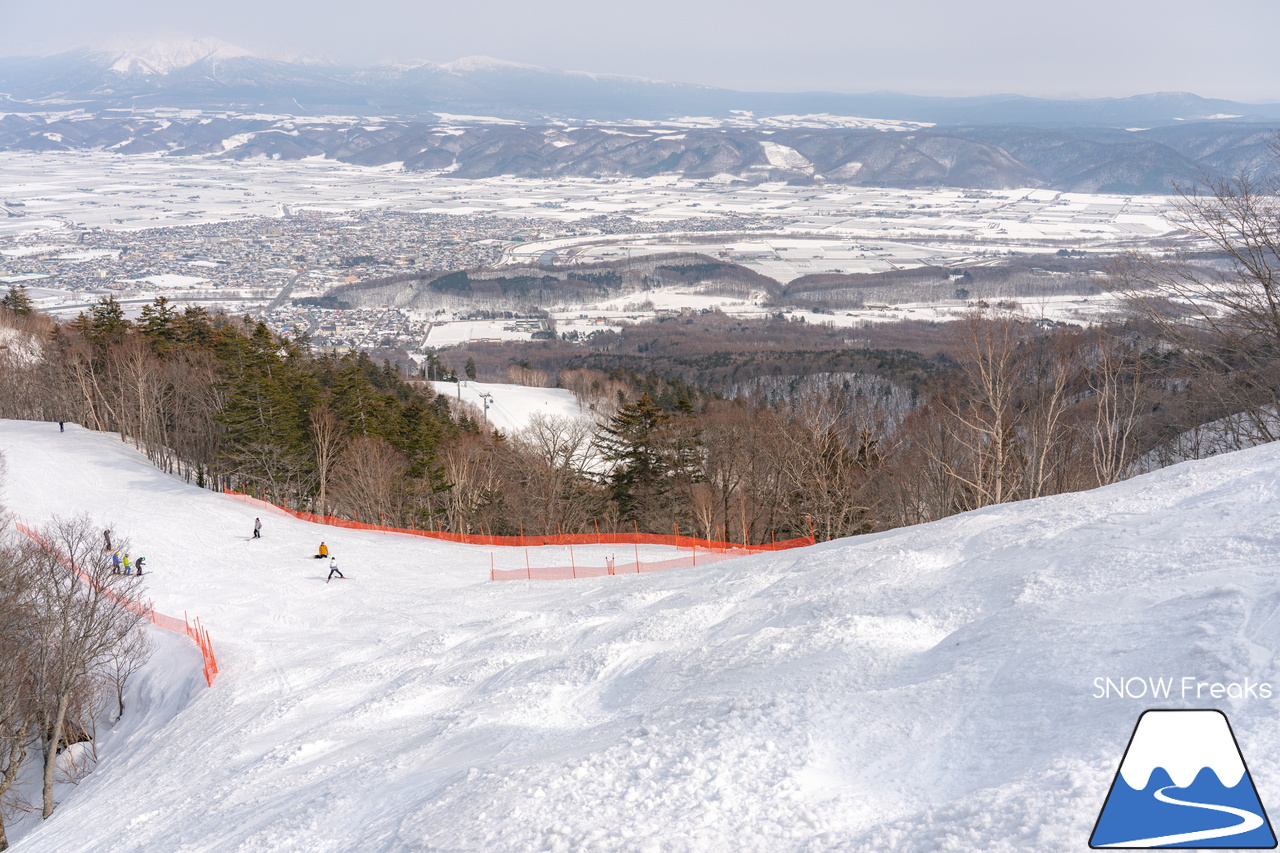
(929, 688)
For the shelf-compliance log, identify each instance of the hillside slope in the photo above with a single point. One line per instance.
(923, 689)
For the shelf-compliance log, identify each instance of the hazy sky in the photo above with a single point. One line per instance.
(1221, 49)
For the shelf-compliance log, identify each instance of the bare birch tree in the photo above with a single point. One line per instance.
(990, 464)
(554, 458)
(82, 621)
(17, 705)
(327, 440)
(1219, 299)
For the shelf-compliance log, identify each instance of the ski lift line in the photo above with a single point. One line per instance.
(192, 629)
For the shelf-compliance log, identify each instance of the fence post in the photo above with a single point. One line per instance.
(636, 544)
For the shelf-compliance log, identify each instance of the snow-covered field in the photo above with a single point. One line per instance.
(783, 259)
(447, 334)
(925, 689)
(144, 191)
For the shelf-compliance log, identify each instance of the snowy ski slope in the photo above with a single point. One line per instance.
(924, 689)
(511, 406)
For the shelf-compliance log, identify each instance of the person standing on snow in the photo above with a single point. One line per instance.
(257, 528)
(128, 568)
(106, 537)
(333, 570)
(138, 565)
(115, 562)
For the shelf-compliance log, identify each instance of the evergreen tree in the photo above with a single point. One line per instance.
(17, 300)
(266, 417)
(105, 324)
(159, 323)
(655, 456)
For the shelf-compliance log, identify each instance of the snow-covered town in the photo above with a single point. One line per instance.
(209, 238)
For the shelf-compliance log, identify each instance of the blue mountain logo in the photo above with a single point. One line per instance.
(1183, 783)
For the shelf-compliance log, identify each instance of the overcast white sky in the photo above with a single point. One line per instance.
(1225, 48)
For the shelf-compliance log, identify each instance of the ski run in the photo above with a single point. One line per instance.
(929, 688)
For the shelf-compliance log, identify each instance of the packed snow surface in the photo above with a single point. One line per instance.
(511, 406)
(931, 688)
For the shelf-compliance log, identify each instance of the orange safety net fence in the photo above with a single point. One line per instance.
(558, 573)
(686, 542)
(704, 550)
(191, 628)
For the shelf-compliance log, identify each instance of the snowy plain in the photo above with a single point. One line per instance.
(124, 192)
(930, 688)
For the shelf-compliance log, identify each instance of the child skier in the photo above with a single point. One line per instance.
(128, 567)
(138, 564)
(333, 570)
(115, 562)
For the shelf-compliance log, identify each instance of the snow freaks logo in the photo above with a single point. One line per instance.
(1186, 687)
(1183, 783)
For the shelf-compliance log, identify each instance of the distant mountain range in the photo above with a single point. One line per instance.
(979, 157)
(208, 74)
(481, 117)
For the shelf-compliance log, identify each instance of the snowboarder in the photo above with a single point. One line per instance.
(333, 570)
(62, 427)
(257, 528)
(138, 565)
(323, 552)
(115, 562)
(106, 537)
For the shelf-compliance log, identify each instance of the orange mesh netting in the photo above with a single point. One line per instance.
(704, 550)
(191, 628)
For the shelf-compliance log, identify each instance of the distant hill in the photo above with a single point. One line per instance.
(975, 156)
